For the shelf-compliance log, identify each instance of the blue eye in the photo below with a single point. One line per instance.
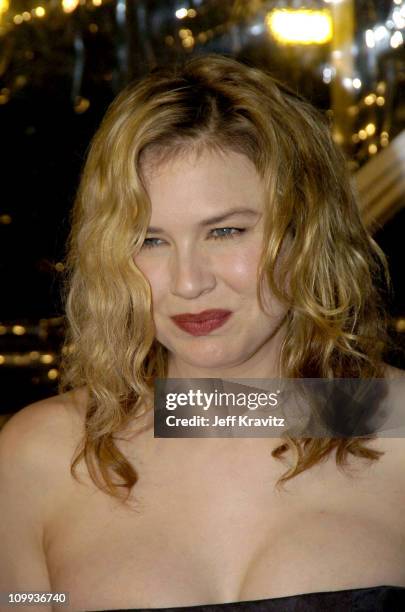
(217, 234)
(227, 232)
(150, 243)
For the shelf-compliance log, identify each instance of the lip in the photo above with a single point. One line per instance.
(202, 323)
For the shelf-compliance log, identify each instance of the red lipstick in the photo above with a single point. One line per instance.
(202, 323)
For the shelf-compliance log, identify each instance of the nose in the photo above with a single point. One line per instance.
(191, 274)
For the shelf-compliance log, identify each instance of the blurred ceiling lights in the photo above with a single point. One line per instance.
(381, 182)
(300, 26)
(3, 6)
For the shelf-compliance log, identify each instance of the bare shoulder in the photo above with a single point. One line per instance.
(36, 445)
(391, 372)
(36, 436)
(36, 449)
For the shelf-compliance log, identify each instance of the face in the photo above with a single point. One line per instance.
(201, 253)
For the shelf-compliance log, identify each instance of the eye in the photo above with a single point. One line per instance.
(150, 243)
(226, 232)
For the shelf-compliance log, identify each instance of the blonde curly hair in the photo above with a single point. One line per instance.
(336, 324)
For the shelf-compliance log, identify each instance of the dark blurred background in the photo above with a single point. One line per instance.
(63, 61)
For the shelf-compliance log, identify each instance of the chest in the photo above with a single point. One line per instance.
(206, 527)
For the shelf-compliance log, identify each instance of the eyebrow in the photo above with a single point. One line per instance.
(217, 219)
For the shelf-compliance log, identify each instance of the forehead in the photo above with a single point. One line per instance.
(208, 181)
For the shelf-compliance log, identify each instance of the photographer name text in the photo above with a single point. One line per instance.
(229, 421)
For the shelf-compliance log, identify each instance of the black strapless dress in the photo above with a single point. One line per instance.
(371, 599)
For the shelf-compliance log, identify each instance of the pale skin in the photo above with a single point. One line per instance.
(209, 525)
(194, 264)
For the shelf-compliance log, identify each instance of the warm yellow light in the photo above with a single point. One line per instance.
(20, 80)
(370, 99)
(380, 101)
(46, 358)
(396, 39)
(18, 330)
(2, 359)
(400, 325)
(3, 330)
(362, 134)
(81, 105)
(184, 32)
(26, 15)
(69, 5)
(5, 219)
(4, 4)
(372, 149)
(19, 360)
(40, 11)
(191, 13)
(181, 13)
(303, 26)
(18, 19)
(370, 129)
(97, 2)
(34, 355)
(384, 139)
(188, 41)
(52, 374)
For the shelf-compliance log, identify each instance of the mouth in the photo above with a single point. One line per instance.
(202, 323)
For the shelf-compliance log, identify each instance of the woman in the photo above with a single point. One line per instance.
(215, 234)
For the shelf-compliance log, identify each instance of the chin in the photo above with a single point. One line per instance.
(209, 368)
(209, 357)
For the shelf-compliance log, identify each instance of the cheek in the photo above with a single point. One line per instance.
(239, 269)
(272, 307)
(154, 275)
(270, 303)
